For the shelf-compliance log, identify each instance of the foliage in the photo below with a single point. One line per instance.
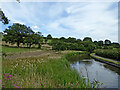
(87, 39)
(115, 45)
(3, 18)
(71, 40)
(109, 53)
(81, 45)
(100, 43)
(49, 36)
(58, 45)
(18, 33)
(104, 59)
(107, 42)
(77, 55)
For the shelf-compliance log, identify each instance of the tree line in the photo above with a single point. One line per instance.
(85, 45)
(20, 33)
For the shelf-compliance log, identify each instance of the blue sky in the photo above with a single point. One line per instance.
(98, 20)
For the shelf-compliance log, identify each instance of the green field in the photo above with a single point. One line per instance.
(15, 50)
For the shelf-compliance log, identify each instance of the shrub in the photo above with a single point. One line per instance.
(109, 53)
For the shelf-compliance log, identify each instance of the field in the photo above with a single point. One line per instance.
(16, 50)
(39, 69)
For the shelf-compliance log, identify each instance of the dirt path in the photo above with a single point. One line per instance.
(51, 54)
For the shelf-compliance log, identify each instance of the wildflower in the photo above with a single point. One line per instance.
(0, 80)
(10, 75)
(17, 87)
(44, 83)
(5, 73)
(40, 84)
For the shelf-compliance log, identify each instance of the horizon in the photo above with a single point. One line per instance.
(65, 19)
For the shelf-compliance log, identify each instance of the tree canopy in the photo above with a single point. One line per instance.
(3, 18)
(87, 39)
(49, 36)
(18, 33)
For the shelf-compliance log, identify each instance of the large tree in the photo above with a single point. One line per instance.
(16, 33)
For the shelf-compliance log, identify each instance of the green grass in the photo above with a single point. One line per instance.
(105, 59)
(15, 50)
(77, 55)
(41, 72)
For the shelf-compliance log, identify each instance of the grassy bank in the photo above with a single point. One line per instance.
(41, 72)
(104, 59)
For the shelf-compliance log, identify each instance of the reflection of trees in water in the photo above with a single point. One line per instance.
(74, 59)
(112, 68)
(86, 62)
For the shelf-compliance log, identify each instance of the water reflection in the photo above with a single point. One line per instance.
(114, 69)
(102, 72)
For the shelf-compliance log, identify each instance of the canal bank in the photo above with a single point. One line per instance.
(106, 60)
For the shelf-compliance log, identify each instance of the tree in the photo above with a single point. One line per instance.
(17, 33)
(91, 47)
(49, 36)
(78, 40)
(100, 43)
(87, 39)
(115, 45)
(63, 39)
(3, 18)
(107, 42)
(71, 40)
(95, 42)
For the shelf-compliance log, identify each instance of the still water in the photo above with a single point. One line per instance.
(96, 70)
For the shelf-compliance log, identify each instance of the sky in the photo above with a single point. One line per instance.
(98, 20)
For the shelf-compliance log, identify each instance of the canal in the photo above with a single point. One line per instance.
(95, 70)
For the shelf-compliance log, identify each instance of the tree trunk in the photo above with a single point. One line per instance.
(18, 43)
(30, 45)
(39, 46)
(27, 44)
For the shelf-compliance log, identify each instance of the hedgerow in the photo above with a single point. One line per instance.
(109, 53)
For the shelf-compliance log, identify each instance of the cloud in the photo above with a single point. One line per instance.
(35, 27)
(98, 20)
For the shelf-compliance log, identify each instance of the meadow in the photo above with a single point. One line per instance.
(45, 71)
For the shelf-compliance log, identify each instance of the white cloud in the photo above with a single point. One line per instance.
(95, 19)
(35, 27)
(89, 19)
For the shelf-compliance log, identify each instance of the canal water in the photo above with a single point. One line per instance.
(95, 70)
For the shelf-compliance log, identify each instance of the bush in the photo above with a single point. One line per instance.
(109, 53)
